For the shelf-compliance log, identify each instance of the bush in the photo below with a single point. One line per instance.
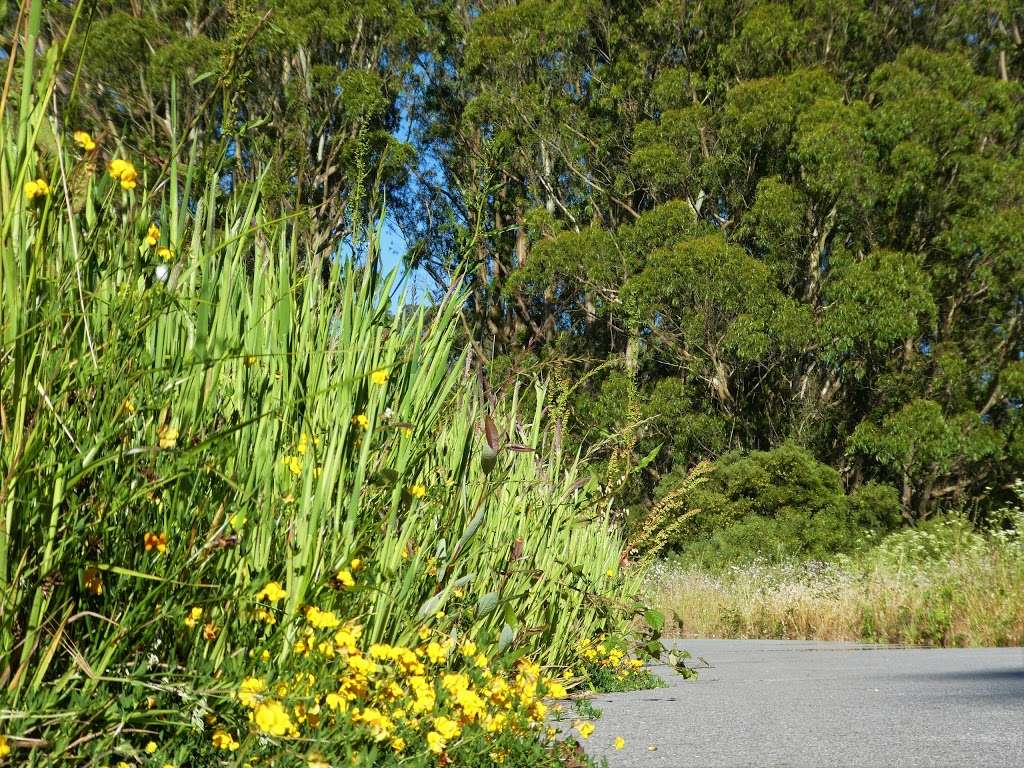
(781, 504)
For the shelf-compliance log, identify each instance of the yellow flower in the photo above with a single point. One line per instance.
(406, 431)
(448, 728)
(356, 565)
(168, 436)
(321, 619)
(5, 747)
(584, 729)
(361, 421)
(37, 188)
(262, 614)
(124, 172)
(155, 541)
(251, 360)
(224, 740)
(210, 631)
(398, 743)
(345, 578)
(273, 592)
(84, 140)
(193, 617)
(271, 717)
(165, 253)
(93, 580)
(436, 742)
(619, 742)
(556, 690)
(152, 235)
(417, 491)
(380, 376)
(128, 406)
(151, 747)
(436, 652)
(249, 691)
(294, 464)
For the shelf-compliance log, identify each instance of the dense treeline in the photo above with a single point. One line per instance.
(746, 226)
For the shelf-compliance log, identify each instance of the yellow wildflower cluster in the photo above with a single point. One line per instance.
(124, 172)
(38, 188)
(84, 140)
(157, 541)
(294, 460)
(609, 657)
(433, 692)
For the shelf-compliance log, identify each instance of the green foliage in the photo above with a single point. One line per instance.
(191, 416)
(778, 505)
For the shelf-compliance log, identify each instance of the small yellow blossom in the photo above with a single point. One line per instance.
(294, 464)
(448, 728)
(168, 436)
(360, 420)
(151, 747)
(321, 619)
(272, 718)
(436, 652)
(165, 254)
(193, 616)
(251, 360)
(345, 578)
(272, 592)
(398, 744)
(124, 172)
(406, 431)
(380, 376)
(584, 729)
(152, 235)
(84, 140)
(417, 491)
(619, 742)
(128, 406)
(249, 691)
(37, 188)
(356, 565)
(155, 541)
(224, 740)
(5, 747)
(93, 580)
(436, 742)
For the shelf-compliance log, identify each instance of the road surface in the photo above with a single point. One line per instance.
(815, 704)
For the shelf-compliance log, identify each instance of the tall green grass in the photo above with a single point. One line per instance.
(941, 584)
(232, 397)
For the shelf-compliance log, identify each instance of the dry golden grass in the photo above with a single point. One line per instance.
(973, 598)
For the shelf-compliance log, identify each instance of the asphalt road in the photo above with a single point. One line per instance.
(794, 703)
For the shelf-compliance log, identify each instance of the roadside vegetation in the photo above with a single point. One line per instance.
(251, 514)
(944, 583)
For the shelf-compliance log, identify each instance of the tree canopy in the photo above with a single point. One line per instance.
(754, 225)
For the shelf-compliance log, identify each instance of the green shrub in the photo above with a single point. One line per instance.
(781, 504)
